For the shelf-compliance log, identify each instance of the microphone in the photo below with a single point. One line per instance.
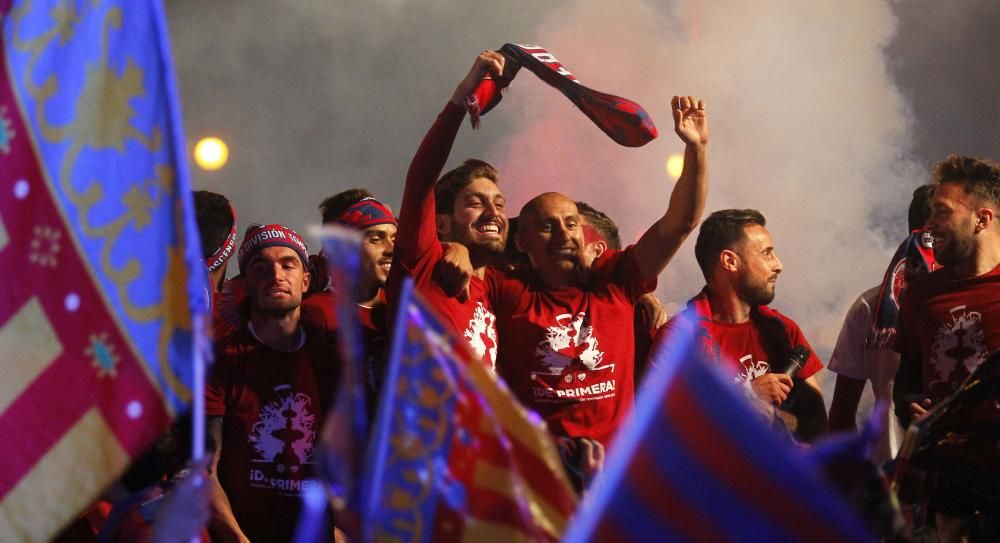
(795, 361)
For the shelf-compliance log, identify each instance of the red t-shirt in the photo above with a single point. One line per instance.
(273, 405)
(569, 353)
(951, 325)
(746, 353)
(744, 350)
(418, 250)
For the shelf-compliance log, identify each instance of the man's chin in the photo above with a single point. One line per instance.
(491, 247)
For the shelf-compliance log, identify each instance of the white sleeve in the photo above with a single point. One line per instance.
(850, 356)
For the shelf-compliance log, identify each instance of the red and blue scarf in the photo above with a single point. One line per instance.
(622, 120)
(914, 257)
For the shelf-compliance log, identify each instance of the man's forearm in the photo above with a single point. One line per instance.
(687, 202)
(908, 387)
(223, 524)
(846, 397)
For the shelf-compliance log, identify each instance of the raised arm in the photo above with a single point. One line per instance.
(417, 231)
(687, 201)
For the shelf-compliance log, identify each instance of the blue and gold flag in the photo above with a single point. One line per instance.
(102, 301)
(454, 456)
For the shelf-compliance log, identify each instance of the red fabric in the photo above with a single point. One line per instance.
(273, 405)
(623, 120)
(745, 352)
(748, 348)
(365, 213)
(951, 324)
(417, 250)
(570, 352)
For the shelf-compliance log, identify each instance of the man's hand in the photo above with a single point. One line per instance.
(920, 409)
(582, 455)
(652, 311)
(487, 64)
(690, 119)
(186, 507)
(772, 387)
(454, 271)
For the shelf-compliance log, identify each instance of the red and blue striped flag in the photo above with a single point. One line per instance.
(454, 456)
(695, 464)
(104, 289)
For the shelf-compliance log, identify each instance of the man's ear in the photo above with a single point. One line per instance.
(729, 260)
(599, 248)
(984, 218)
(443, 225)
(306, 281)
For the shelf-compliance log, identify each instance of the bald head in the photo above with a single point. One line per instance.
(539, 204)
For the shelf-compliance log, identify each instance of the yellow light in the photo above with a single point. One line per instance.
(211, 153)
(675, 165)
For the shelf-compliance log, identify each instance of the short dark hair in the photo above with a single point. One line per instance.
(920, 207)
(215, 220)
(603, 224)
(723, 230)
(452, 182)
(979, 177)
(334, 206)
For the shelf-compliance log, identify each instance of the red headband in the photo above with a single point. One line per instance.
(224, 252)
(272, 235)
(366, 212)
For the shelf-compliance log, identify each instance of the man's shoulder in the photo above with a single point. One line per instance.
(787, 321)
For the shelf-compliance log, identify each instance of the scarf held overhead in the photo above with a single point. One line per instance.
(624, 121)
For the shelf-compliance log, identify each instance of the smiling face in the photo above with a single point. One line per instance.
(953, 224)
(276, 278)
(550, 232)
(376, 254)
(478, 220)
(760, 266)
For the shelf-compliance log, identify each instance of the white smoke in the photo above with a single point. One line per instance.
(806, 126)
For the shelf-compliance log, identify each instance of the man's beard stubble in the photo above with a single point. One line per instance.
(755, 294)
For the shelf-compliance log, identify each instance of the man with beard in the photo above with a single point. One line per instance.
(735, 326)
(465, 207)
(566, 334)
(270, 387)
(949, 321)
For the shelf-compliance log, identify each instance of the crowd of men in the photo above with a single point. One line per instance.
(551, 302)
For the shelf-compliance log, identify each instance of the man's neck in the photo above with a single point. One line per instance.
(280, 332)
(726, 305)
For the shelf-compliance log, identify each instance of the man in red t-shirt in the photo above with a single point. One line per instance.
(735, 327)
(267, 395)
(566, 337)
(465, 207)
(949, 321)
(360, 210)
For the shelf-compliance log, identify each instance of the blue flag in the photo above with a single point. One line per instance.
(454, 456)
(102, 309)
(694, 463)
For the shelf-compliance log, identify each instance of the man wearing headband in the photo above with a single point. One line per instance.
(267, 394)
(465, 207)
(217, 228)
(358, 209)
